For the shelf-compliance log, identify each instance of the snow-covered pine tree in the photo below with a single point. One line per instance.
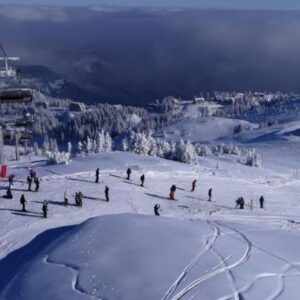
(108, 142)
(69, 147)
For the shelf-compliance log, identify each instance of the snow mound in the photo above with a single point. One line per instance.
(110, 257)
(141, 257)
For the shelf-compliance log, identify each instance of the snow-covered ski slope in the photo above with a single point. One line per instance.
(202, 250)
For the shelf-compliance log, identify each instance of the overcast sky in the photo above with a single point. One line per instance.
(252, 4)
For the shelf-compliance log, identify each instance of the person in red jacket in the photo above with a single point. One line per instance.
(172, 192)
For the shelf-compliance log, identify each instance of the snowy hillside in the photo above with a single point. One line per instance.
(205, 129)
(138, 257)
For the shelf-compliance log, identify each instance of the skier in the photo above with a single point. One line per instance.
(76, 199)
(156, 209)
(193, 185)
(29, 181)
(8, 194)
(172, 192)
(32, 173)
(37, 184)
(240, 202)
(97, 175)
(45, 209)
(261, 201)
(106, 193)
(128, 173)
(66, 198)
(142, 180)
(209, 194)
(80, 197)
(23, 201)
(10, 180)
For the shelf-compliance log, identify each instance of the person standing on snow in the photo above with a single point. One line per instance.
(97, 175)
(172, 192)
(193, 185)
(10, 180)
(128, 173)
(80, 197)
(156, 209)
(29, 181)
(37, 184)
(209, 194)
(261, 201)
(142, 180)
(8, 194)
(66, 198)
(45, 209)
(76, 199)
(32, 173)
(241, 202)
(23, 201)
(106, 191)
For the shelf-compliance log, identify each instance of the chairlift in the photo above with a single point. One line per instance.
(28, 120)
(13, 91)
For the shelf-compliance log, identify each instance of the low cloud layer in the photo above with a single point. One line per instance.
(136, 55)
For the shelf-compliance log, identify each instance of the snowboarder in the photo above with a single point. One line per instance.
(156, 209)
(66, 198)
(193, 185)
(128, 173)
(172, 192)
(23, 201)
(8, 194)
(37, 184)
(142, 180)
(97, 175)
(106, 193)
(209, 194)
(45, 209)
(10, 180)
(29, 181)
(261, 201)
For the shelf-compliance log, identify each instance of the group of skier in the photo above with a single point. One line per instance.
(35, 180)
(240, 203)
(44, 207)
(32, 178)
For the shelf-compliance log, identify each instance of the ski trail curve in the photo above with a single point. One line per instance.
(205, 249)
(201, 279)
(75, 282)
(229, 275)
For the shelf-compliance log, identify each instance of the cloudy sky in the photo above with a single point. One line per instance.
(252, 4)
(135, 55)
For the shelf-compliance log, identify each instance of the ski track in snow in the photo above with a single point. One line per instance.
(208, 245)
(225, 268)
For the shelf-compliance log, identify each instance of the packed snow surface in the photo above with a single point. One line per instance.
(195, 250)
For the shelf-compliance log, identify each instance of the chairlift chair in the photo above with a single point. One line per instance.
(13, 91)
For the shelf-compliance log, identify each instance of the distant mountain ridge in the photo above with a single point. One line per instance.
(54, 84)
